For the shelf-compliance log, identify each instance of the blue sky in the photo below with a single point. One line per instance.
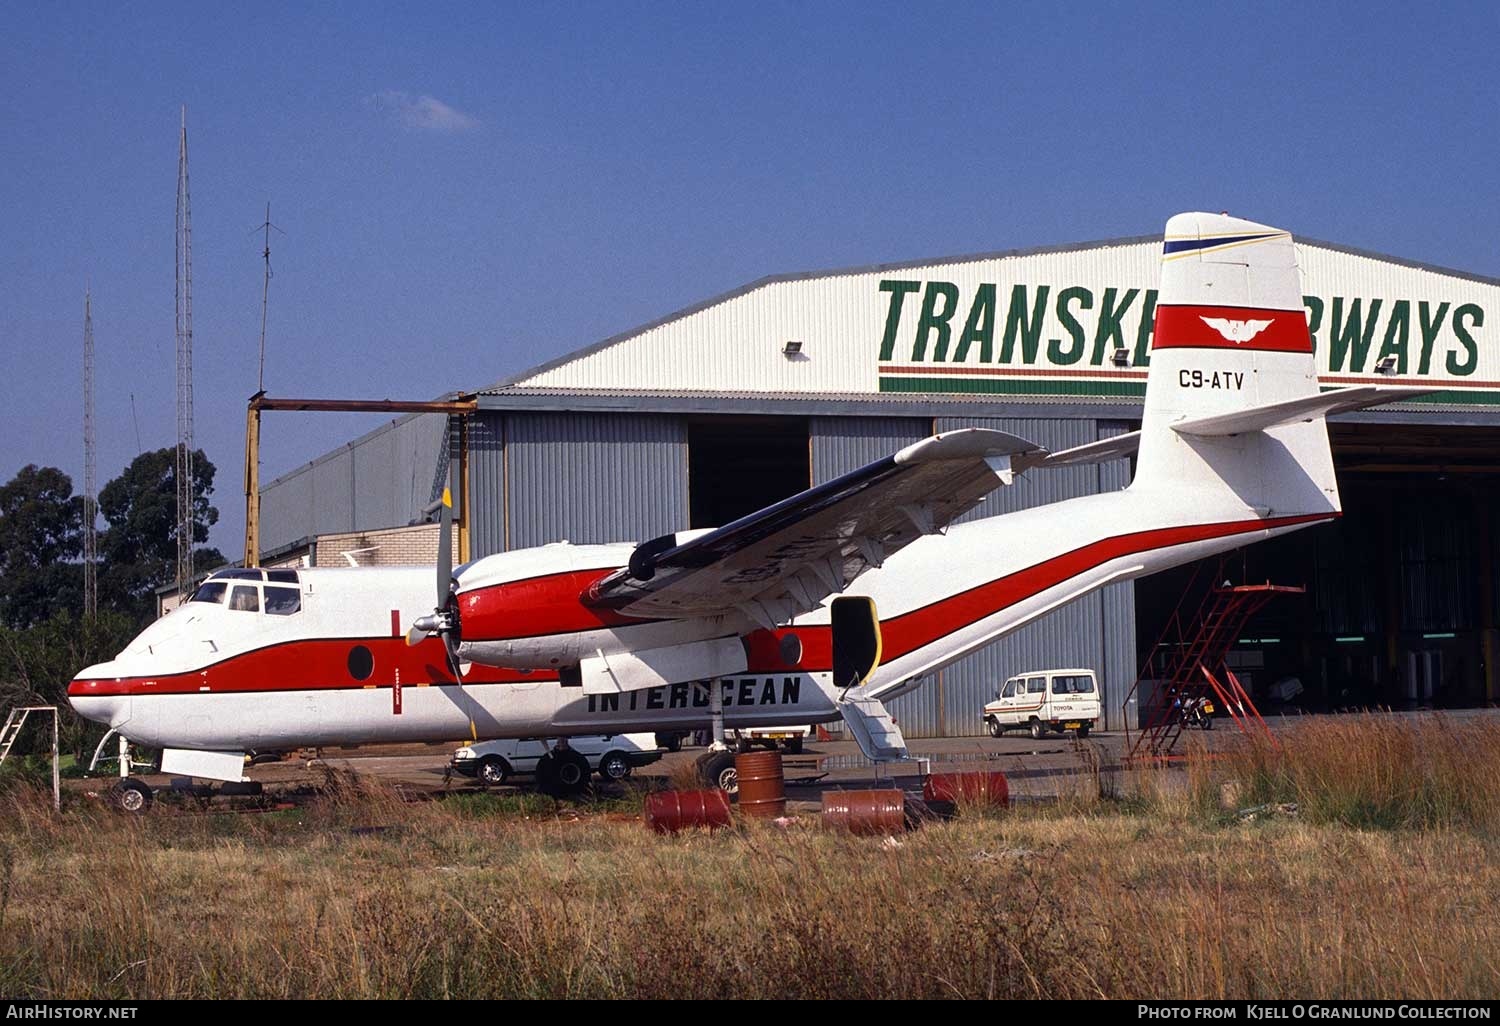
(469, 190)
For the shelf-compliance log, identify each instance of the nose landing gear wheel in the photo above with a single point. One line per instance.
(130, 795)
(562, 773)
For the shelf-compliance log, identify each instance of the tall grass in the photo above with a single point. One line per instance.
(364, 895)
(1376, 771)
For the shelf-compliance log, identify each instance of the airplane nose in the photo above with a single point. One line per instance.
(95, 698)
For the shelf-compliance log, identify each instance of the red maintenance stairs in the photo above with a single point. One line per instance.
(1188, 664)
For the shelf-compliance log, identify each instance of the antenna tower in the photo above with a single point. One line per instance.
(184, 471)
(90, 505)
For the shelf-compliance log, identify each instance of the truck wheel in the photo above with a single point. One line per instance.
(792, 746)
(716, 769)
(1083, 730)
(1038, 729)
(614, 766)
(130, 795)
(493, 770)
(995, 729)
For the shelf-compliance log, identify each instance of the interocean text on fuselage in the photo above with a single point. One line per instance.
(1022, 325)
(736, 691)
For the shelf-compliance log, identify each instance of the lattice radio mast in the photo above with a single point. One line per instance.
(90, 504)
(184, 369)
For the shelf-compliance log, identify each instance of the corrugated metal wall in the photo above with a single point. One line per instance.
(589, 477)
(1097, 631)
(382, 479)
(487, 484)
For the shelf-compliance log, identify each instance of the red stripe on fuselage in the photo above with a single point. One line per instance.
(901, 635)
(1187, 327)
(314, 664)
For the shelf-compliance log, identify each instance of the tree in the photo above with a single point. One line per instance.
(37, 664)
(41, 537)
(139, 547)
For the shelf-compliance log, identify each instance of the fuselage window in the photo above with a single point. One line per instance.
(213, 591)
(281, 577)
(282, 601)
(245, 599)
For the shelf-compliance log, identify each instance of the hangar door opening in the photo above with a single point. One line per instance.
(1400, 603)
(737, 465)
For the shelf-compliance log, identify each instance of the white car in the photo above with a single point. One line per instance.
(1044, 700)
(612, 756)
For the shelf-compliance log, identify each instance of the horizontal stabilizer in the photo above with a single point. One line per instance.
(1102, 451)
(1306, 408)
(873, 728)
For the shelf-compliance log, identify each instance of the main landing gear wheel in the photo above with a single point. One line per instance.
(130, 795)
(562, 773)
(716, 769)
(994, 725)
(1038, 729)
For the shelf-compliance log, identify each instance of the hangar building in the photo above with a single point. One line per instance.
(717, 410)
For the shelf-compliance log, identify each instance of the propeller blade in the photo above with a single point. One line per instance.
(445, 549)
(450, 646)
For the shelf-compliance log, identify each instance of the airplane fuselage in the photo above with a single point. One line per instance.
(338, 670)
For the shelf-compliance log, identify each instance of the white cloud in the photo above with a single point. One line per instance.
(423, 113)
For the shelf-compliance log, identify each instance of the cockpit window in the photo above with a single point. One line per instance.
(211, 591)
(281, 577)
(245, 599)
(283, 601)
(238, 573)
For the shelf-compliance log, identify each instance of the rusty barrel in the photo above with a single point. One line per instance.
(967, 789)
(868, 813)
(667, 812)
(762, 785)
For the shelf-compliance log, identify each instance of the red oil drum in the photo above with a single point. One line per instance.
(989, 789)
(667, 812)
(867, 813)
(762, 785)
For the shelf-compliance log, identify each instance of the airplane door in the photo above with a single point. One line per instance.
(856, 640)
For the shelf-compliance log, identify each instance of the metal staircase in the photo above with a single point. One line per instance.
(1188, 664)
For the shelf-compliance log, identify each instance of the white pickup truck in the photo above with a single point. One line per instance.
(1044, 700)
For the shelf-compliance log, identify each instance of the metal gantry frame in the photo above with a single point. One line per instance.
(458, 410)
(12, 729)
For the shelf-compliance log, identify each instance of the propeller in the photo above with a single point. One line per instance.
(443, 620)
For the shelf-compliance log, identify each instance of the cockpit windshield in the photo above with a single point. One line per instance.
(210, 591)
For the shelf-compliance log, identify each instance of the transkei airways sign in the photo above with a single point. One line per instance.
(1060, 334)
(1044, 323)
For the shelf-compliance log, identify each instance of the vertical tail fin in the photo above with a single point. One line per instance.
(1231, 335)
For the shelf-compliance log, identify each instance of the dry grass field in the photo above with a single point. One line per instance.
(1368, 871)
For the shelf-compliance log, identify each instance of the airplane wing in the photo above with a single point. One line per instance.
(789, 557)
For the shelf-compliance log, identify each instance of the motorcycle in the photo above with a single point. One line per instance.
(1196, 712)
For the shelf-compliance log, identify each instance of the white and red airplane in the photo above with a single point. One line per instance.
(816, 608)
